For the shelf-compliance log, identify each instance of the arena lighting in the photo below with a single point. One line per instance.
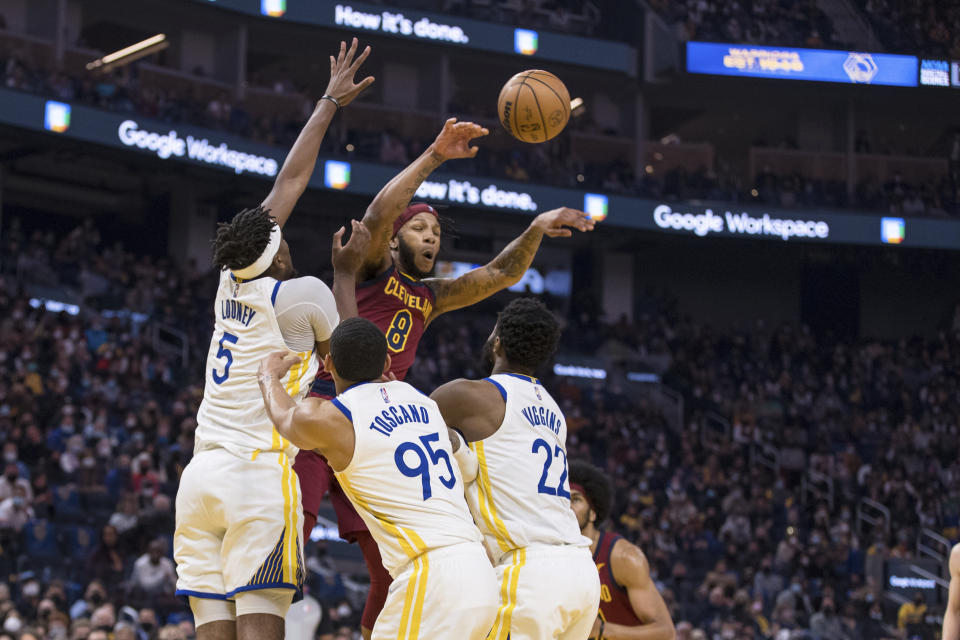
(127, 55)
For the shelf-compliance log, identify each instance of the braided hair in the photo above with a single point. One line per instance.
(528, 333)
(241, 241)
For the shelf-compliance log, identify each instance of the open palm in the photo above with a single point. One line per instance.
(454, 140)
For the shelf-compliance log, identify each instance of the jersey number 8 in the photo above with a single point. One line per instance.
(398, 330)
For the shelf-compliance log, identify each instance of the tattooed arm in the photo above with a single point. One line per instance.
(507, 268)
(452, 142)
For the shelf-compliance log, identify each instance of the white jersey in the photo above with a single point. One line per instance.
(402, 478)
(232, 414)
(522, 495)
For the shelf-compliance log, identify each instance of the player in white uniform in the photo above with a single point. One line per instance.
(521, 498)
(238, 536)
(391, 452)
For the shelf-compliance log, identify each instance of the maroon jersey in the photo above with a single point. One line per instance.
(400, 306)
(614, 602)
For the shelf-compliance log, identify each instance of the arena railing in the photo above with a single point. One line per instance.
(933, 545)
(872, 513)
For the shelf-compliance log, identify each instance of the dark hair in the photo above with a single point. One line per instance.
(241, 241)
(596, 487)
(528, 333)
(358, 349)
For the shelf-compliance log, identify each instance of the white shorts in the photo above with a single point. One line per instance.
(546, 592)
(449, 592)
(239, 525)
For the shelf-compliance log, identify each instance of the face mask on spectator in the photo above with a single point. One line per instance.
(89, 463)
(96, 598)
(147, 627)
(31, 589)
(12, 477)
(343, 610)
(9, 456)
(12, 624)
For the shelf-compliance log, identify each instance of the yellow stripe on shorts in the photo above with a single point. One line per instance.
(508, 597)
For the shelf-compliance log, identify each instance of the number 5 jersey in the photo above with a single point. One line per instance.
(252, 319)
(402, 478)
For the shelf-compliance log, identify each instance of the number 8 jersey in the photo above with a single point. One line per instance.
(402, 478)
(522, 495)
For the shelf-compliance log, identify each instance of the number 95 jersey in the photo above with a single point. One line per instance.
(402, 478)
(522, 496)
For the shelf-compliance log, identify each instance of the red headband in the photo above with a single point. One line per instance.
(579, 489)
(412, 210)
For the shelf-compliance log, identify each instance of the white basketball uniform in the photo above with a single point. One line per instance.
(406, 486)
(521, 500)
(238, 510)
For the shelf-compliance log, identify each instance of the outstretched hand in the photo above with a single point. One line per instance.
(349, 258)
(557, 223)
(342, 70)
(454, 140)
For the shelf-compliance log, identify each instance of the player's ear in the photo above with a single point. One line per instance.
(497, 347)
(394, 243)
(386, 365)
(592, 517)
(328, 364)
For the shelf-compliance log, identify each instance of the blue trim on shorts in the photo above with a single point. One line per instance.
(343, 409)
(273, 296)
(503, 392)
(200, 594)
(265, 585)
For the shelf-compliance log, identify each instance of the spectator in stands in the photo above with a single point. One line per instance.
(153, 574)
(106, 562)
(12, 478)
(911, 614)
(15, 511)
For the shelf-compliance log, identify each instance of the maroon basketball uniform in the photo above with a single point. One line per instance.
(614, 602)
(400, 306)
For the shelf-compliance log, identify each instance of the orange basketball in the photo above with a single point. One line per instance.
(534, 106)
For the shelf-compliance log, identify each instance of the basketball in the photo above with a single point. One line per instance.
(534, 106)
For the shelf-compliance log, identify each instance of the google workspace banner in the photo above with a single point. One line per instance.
(818, 65)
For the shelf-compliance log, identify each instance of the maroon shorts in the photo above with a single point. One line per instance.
(316, 478)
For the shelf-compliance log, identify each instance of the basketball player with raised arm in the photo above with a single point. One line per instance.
(395, 291)
(631, 608)
(951, 616)
(238, 520)
(521, 500)
(390, 450)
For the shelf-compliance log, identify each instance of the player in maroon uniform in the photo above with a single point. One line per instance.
(395, 291)
(631, 608)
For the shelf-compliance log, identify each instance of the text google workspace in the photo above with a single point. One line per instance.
(739, 223)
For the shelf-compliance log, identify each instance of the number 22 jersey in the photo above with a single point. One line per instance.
(402, 478)
(522, 495)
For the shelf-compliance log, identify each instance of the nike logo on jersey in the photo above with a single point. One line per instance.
(601, 565)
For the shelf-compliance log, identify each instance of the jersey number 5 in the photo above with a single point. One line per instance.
(224, 352)
(422, 468)
(399, 330)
